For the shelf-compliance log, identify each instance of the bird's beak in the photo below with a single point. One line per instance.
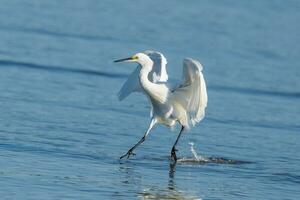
(130, 59)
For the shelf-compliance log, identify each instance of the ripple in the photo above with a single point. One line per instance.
(208, 160)
(55, 33)
(286, 177)
(260, 124)
(51, 68)
(255, 91)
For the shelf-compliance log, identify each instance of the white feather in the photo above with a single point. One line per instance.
(185, 103)
(158, 74)
(189, 99)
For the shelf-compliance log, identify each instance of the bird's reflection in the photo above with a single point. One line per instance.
(172, 167)
(138, 180)
(132, 177)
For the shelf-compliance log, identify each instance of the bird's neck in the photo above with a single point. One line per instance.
(156, 93)
(144, 80)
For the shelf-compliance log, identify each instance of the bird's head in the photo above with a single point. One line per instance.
(140, 58)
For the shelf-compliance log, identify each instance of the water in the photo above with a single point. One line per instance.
(62, 128)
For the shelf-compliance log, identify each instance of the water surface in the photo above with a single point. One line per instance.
(62, 128)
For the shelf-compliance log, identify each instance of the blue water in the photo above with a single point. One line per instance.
(62, 128)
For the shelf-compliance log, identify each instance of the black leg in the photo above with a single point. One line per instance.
(173, 151)
(130, 151)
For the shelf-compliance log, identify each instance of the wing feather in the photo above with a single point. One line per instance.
(159, 71)
(190, 97)
(132, 84)
(158, 74)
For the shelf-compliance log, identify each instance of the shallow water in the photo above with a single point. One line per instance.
(62, 128)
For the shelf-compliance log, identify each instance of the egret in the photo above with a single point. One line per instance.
(184, 104)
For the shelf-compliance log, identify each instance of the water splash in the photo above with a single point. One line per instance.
(197, 157)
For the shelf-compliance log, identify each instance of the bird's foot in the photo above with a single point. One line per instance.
(128, 154)
(173, 154)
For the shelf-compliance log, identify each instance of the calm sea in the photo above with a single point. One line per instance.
(62, 128)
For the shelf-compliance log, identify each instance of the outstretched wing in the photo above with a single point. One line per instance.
(190, 97)
(132, 84)
(159, 71)
(158, 74)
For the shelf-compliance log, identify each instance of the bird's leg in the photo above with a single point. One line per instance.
(173, 154)
(130, 151)
(173, 151)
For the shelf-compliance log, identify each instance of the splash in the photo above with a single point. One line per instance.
(197, 157)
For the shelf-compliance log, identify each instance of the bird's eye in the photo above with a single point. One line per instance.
(135, 57)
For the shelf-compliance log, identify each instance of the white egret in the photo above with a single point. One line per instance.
(184, 103)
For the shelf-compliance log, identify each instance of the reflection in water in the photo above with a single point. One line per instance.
(131, 176)
(134, 177)
(170, 192)
(165, 194)
(172, 167)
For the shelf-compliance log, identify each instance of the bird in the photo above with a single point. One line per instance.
(184, 103)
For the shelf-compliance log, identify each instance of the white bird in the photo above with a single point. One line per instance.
(184, 103)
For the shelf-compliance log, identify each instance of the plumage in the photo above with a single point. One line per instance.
(184, 103)
(189, 99)
(158, 74)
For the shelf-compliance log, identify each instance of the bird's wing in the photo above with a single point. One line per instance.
(159, 70)
(132, 84)
(190, 97)
(158, 74)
